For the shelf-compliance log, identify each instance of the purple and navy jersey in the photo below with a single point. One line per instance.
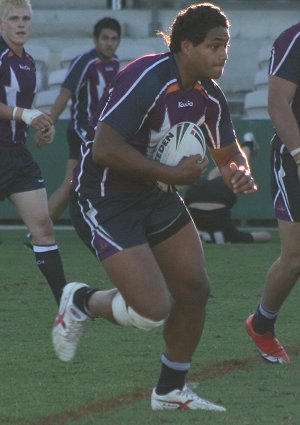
(17, 88)
(285, 63)
(87, 79)
(142, 104)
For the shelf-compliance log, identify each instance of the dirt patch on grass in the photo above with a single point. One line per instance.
(210, 372)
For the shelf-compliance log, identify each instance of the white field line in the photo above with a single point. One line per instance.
(22, 227)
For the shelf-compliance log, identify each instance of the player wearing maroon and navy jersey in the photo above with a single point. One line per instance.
(87, 78)
(20, 177)
(143, 236)
(285, 64)
(145, 101)
(17, 88)
(284, 109)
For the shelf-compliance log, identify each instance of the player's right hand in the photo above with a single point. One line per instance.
(189, 169)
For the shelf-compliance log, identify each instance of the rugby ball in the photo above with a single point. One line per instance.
(182, 140)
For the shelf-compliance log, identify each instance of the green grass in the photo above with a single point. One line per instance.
(110, 381)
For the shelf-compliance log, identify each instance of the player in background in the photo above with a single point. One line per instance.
(284, 110)
(87, 77)
(144, 237)
(210, 201)
(20, 177)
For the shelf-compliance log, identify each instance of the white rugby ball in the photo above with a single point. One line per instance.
(182, 140)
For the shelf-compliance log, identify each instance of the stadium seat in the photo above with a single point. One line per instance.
(56, 78)
(131, 48)
(264, 54)
(45, 99)
(261, 79)
(41, 55)
(67, 54)
(256, 105)
(41, 80)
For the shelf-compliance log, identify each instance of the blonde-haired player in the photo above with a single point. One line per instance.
(20, 177)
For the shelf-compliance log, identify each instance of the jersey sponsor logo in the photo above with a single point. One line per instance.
(186, 104)
(164, 144)
(24, 67)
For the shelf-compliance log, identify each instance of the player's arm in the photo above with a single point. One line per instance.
(32, 117)
(225, 150)
(281, 95)
(111, 150)
(60, 103)
(234, 168)
(74, 79)
(6, 111)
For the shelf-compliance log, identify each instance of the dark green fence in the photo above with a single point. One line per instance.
(52, 160)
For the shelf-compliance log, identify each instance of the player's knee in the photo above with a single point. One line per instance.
(124, 315)
(42, 230)
(196, 290)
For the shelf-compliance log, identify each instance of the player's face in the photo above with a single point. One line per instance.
(15, 27)
(106, 44)
(207, 59)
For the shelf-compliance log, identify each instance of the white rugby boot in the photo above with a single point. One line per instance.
(184, 399)
(69, 324)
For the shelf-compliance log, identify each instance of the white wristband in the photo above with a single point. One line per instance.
(295, 151)
(28, 115)
(15, 112)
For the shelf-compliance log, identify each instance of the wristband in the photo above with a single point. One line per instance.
(28, 115)
(295, 151)
(14, 112)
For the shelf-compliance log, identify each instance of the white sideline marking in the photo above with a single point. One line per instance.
(22, 227)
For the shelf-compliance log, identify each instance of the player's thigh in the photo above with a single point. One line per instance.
(181, 260)
(33, 209)
(285, 187)
(83, 230)
(135, 272)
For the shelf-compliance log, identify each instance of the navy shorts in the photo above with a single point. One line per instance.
(74, 142)
(110, 224)
(285, 186)
(18, 173)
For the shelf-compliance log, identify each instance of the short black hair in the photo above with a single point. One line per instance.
(193, 23)
(109, 23)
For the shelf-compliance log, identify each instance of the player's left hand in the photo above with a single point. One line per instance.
(44, 136)
(241, 179)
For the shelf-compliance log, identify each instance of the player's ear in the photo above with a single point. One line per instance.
(186, 46)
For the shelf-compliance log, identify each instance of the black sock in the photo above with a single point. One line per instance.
(261, 324)
(49, 262)
(170, 379)
(81, 298)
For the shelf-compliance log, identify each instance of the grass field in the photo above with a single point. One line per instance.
(110, 381)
